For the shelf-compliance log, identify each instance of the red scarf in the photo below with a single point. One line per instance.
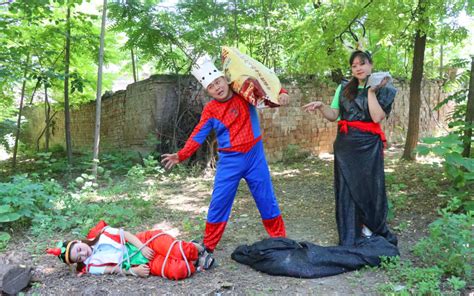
(370, 127)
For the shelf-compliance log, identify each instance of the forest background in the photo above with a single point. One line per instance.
(60, 54)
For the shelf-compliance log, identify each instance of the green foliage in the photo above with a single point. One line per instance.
(459, 169)
(449, 245)
(293, 153)
(7, 130)
(456, 283)
(445, 254)
(23, 200)
(408, 280)
(78, 214)
(194, 226)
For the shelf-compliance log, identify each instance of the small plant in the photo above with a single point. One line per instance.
(23, 200)
(456, 283)
(408, 280)
(449, 244)
(294, 153)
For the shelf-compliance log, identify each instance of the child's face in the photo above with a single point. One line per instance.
(219, 89)
(80, 252)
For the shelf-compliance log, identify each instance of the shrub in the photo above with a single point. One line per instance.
(449, 245)
(23, 200)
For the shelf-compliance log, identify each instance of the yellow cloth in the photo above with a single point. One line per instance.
(251, 79)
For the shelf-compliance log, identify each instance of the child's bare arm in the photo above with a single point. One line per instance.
(147, 252)
(142, 270)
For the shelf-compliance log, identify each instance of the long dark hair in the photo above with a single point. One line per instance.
(351, 88)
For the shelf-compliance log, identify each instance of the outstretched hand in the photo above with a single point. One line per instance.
(383, 83)
(169, 160)
(313, 106)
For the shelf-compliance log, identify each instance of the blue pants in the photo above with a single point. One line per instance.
(231, 168)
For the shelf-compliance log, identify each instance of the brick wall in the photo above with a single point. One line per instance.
(156, 105)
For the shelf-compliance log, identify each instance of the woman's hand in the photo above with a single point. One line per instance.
(383, 83)
(141, 270)
(147, 253)
(283, 99)
(169, 160)
(313, 106)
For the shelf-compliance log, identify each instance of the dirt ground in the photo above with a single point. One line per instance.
(305, 193)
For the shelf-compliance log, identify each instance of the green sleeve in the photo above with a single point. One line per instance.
(335, 100)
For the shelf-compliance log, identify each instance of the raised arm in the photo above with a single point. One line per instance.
(195, 140)
(376, 112)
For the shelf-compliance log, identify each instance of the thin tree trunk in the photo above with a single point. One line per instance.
(20, 109)
(415, 96)
(441, 49)
(95, 159)
(469, 114)
(67, 116)
(236, 28)
(134, 68)
(47, 113)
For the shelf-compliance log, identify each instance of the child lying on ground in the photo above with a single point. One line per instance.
(115, 251)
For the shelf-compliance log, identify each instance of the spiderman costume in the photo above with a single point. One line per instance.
(241, 155)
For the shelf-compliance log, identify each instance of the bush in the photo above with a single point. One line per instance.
(408, 280)
(449, 245)
(23, 200)
(293, 153)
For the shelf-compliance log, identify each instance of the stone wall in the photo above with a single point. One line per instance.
(153, 107)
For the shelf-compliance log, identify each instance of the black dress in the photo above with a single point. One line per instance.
(359, 177)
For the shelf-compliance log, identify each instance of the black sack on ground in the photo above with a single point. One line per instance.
(282, 256)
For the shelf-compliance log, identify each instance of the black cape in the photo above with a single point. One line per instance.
(286, 257)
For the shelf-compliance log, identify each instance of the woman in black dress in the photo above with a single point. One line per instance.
(359, 180)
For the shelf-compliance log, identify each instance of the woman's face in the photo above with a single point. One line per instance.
(80, 252)
(219, 89)
(361, 68)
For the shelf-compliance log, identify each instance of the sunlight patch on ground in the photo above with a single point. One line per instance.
(182, 202)
(429, 159)
(289, 173)
(167, 227)
(189, 198)
(326, 156)
(3, 154)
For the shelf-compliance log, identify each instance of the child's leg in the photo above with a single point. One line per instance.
(260, 184)
(175, 269)
(162, 243)
(226, 182)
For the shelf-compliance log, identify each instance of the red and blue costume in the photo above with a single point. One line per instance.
(241, 155)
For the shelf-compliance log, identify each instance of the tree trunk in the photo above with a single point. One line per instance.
(441, 65)
(469, 114)
(134, 67)
(67, 116)
(95, 159)
(47, 115)
(415, 96)
(20, 109)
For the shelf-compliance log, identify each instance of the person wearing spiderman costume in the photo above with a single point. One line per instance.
(240, 152)
(359, 179)
(109, 250)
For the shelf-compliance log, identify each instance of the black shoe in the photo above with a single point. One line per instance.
(206, 260)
